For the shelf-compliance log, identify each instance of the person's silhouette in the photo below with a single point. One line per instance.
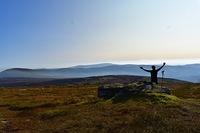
(154, 73)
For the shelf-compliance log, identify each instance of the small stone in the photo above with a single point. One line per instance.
(4, 121)
(165, 90)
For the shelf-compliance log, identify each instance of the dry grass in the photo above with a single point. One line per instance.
(78, 109)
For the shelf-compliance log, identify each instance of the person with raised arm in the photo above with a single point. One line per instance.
(154, 73)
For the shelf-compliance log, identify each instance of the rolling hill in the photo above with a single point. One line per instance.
(182, 72)
(100, 80)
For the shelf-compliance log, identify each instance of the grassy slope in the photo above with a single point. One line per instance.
(76, 108)
(17, 82)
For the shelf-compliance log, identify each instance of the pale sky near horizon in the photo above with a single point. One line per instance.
(61, 33)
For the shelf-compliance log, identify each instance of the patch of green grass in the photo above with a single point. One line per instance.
(31, 105)
(22, 106)
(53, 113)
(162, 98)
(152, 97)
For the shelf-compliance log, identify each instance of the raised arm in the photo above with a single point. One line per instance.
(145, 69)
(161, 66)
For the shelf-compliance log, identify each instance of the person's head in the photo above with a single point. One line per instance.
(153, 67)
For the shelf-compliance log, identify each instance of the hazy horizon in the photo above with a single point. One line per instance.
(138, 62)
(64, 33)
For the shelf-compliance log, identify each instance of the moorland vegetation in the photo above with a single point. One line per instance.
(77, 108)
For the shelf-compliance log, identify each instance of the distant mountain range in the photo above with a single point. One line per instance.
(181, 72)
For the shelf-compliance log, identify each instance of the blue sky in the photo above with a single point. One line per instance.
(61, 33)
